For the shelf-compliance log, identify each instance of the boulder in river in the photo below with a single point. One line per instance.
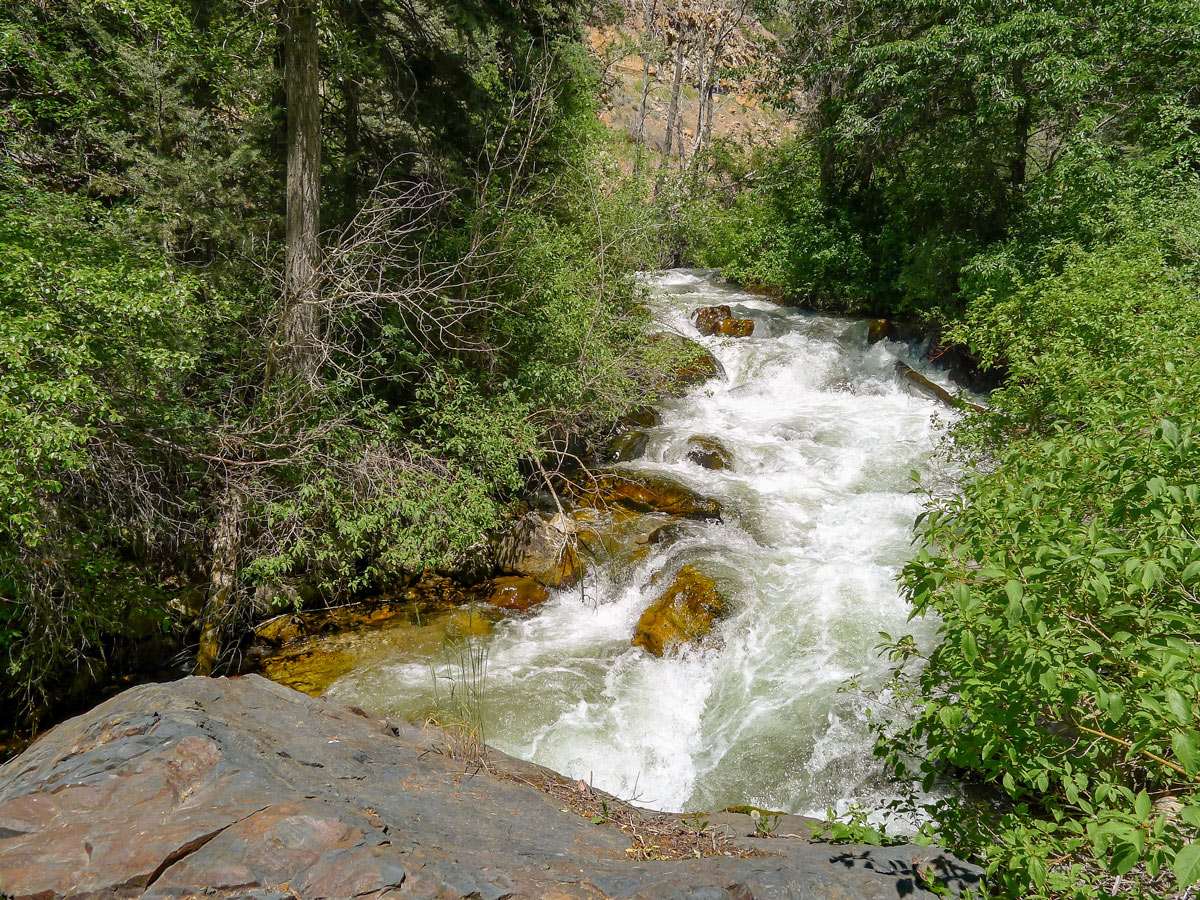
(697, 364)
(640, 417)
(627, 446)
(682, 615)
(709, 453)
(737, 327)
(516, 593)
(644, 494)
(720, 320)
(232, 788)
(541, 547)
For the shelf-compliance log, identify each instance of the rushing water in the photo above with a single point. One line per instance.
(819, 511)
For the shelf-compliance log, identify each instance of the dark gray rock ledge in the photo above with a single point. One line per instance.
(242, 788)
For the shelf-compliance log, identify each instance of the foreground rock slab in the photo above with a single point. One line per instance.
(245, 789)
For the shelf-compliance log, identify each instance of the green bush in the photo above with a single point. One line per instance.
(1067, 576)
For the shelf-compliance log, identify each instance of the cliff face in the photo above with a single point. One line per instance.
(244, 788)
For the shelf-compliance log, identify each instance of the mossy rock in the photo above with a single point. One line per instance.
(698, 364)
(683, 615)
(708, 319)
(625, 447)
(645, 494)
(709, 453)
(640, 417)
(515, 593)
(738, 328)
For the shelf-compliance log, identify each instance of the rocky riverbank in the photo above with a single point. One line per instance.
(244, 788)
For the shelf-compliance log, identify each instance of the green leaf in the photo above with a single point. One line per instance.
(1142, 805)
(1186, 746)
(1187, 865)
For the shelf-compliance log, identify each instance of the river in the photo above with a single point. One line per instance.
(819, 512)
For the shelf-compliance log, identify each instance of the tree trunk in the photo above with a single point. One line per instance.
(221, 603)
(648, 33)
(704, 67)
(301, 319)
(353, 144)
(1022, 127)
(673, 106)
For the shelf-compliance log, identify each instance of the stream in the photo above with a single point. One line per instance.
(819, 507)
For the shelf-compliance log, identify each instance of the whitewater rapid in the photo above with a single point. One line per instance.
(819, 511)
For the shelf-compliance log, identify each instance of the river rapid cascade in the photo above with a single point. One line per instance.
(819, 506)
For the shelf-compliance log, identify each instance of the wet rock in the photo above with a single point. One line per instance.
(683, 615)
(663, 534)
(698, 364)
(234, 788)
(709, 453)
(640, 417)
(310, 671)
(428, 593)
(470, 621)
(516, 593)
(708, 319)
(720, 320)
(541, 547)
(625, 447)
(896, 330)
(645, 494)
(737, 327)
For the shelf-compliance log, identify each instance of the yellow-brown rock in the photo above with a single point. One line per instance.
(683, 615)
(877, 330)
(709, 318)
(719, 320)
(310, 671)
(515, 593)
(644, 493)
(736, 327)
(540, 547)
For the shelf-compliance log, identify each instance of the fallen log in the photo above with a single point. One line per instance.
(930, 389)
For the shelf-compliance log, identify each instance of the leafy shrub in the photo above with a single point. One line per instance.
(1067, 573)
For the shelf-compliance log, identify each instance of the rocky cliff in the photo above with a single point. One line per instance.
(243, 788)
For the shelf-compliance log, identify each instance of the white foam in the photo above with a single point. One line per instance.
(823, 438)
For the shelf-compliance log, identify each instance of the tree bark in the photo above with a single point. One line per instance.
(1022, 127)
(352, 140)
(673, 106)
(648, 34)
(704, 66)
(221, 603)
(299, 335)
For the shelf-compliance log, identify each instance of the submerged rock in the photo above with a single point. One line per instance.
(516, 593)
(709, 453)
(644, 493)
(683, 615)
(541, 547)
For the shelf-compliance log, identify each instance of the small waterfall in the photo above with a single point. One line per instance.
(819, 511)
